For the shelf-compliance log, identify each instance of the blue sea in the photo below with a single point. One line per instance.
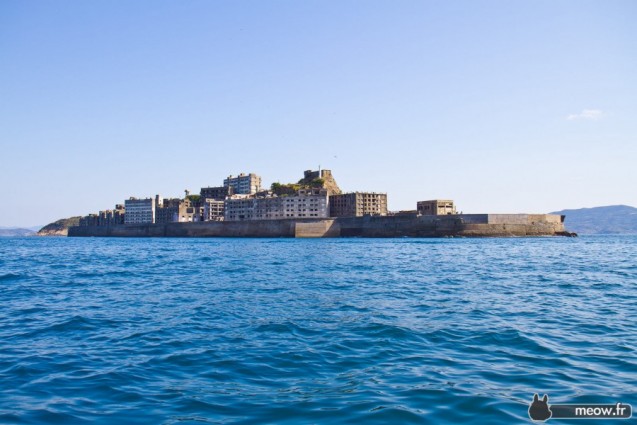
(285, 331)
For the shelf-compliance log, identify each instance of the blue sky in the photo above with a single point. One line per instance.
(502, 106)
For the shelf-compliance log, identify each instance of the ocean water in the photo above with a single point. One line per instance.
(244, 331)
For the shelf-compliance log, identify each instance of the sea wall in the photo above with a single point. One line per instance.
(470, 225)
(256, 228)
(408, 225)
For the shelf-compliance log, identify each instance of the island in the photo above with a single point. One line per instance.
(314, 207)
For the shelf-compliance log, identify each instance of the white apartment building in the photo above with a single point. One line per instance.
(139, 211)
(307, 203)
(213, 210)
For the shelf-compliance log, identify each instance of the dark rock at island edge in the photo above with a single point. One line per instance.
(59, 227)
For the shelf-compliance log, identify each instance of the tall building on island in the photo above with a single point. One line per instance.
(175, 210)
(213, 209)
(244, 184)
(139, 211)
(112, 217)
(219, 193)
(356, 204)
(306, 203)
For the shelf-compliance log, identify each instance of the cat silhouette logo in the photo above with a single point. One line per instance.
(539, 409)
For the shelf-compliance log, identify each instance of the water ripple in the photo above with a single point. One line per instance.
(313, 331)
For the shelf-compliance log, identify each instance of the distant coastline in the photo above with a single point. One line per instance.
(606, 220)
(15, 232)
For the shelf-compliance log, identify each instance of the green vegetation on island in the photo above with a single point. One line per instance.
(289, 189)
(59, 227)
(194, 199)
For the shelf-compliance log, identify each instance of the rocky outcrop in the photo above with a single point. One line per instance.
(330, 184)
(321, 178)
(311, 179)
(60, 227)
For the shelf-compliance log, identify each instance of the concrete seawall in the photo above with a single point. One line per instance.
(409, 225)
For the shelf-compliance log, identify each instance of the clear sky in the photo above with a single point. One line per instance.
(503, 106)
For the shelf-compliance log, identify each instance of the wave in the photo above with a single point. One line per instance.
(278, 331)
(12, 277)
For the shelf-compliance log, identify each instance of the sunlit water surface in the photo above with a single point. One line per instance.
(313, 331)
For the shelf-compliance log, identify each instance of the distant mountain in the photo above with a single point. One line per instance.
(60, 227)
(15, 232)
(614, 219)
